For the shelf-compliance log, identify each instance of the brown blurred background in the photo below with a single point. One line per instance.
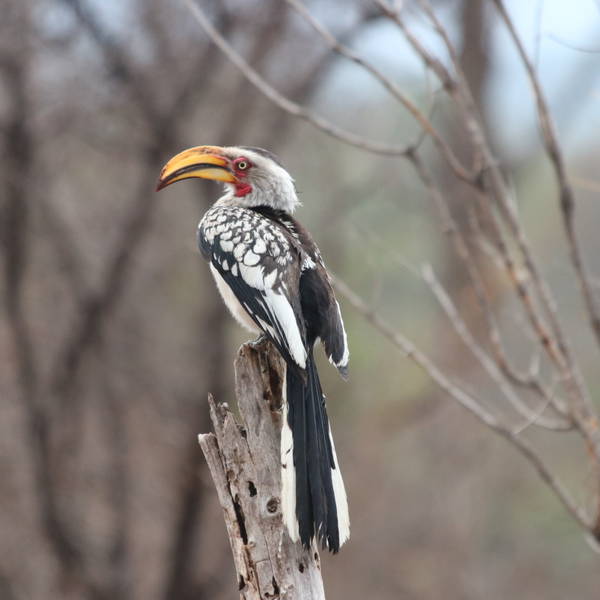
(112, 333)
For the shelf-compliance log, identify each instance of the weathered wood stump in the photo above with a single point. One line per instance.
(244, 461)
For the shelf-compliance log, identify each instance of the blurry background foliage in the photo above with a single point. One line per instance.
(112, 333)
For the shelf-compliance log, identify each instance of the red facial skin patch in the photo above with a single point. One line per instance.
(241, 188)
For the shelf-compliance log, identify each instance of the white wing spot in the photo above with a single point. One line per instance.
(253, 276)
(260, 247)
(239, 250)
(251, 259)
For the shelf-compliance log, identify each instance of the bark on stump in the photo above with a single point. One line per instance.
(244, 461)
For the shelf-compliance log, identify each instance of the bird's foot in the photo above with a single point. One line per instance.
(258, 342)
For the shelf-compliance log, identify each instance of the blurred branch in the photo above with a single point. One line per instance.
(67, 249)
(119, 584)
(19, 151)
(456, 86)
(91, 316)
(490, 367)
(304, 85)
(285, 103)
(572, 46)
(567, 197)
(191, 87)
(388, 84)
(450, 227)
(468, 402)
(116, 59)
(583, 411)
(95, 308)
(493, 192)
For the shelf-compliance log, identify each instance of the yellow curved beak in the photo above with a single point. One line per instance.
(205, 162)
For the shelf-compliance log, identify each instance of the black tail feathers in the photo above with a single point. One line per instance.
(320, 504)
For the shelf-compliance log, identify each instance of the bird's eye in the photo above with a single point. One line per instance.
(241, 164)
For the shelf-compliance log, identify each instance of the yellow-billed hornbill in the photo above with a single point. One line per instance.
(272, 278)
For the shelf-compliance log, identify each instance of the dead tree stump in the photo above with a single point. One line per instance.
(244, 461)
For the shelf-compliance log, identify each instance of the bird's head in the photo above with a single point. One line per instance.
(252, 176)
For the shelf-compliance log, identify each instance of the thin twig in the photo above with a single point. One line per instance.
(468, 402)
(459, 90)
(450, 227)
(484, 360)
(553, 340)
(536, 415)
(429, 59)
(285, 103)
(394, 90)
(567, 197)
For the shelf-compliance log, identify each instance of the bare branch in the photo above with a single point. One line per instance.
(496, 187)
(433, 63)
(285, 103)
(572, 46)
(535, 416)
(567, 197)
(450, 227)
(117, 61)
(304, 86)
(60, 533)
(97, 306)
(492, 186)
(66, 247)
(389, 85)
(468, 402)
(484, 360)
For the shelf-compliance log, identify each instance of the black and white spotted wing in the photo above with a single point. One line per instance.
(320, 310)
(257, 260)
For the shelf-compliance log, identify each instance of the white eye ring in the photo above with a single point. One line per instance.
(242, 165)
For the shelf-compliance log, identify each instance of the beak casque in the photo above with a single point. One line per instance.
(206, 162)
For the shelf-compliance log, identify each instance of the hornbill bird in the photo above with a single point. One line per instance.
(272, 278)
